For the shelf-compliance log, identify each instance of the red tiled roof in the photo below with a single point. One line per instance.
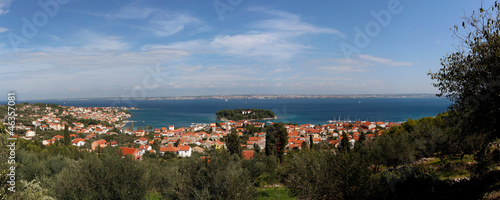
(184, 147)
(128, 151)
(102, 141)
(254, 138)
(247, 154)
(171, 149)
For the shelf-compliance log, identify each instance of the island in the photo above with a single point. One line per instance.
(245, 114)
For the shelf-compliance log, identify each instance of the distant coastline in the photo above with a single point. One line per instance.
(264, 96)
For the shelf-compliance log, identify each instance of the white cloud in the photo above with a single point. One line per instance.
(340, 65)
(3, 29)
(383, 61)
(193, 45)
(275, 39)
(4, 6)
(190, 69)
(106, 43)
(166, 25)
(28, 64)
(289, 23)
(160, 22)
(131, 12)
(256, 45)
(241, 45)
(359, 64)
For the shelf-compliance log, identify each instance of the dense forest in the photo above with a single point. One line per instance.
(244, 114)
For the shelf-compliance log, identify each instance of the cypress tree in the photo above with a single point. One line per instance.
(66, 135)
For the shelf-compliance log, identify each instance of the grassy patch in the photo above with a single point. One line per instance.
(279, 192)
(452, 167)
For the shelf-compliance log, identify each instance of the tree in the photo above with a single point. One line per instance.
(345, 145)
(360, 144)
(470, 77)
(326, 175)
(276, 140)
(311, 141)
(67, 138)
(233, 143)
(110, 177)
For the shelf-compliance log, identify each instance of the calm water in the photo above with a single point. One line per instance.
(161, 113)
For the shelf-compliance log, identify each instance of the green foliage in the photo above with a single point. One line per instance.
(392, 150)
(67, 139)
(236, 114)
(345, 145)
(282, 193)
(251, 129)
(70, 119)
(108, 178)
(471, 77)
(428, 138)
(222, 178)
(233, 144)
(32, 190)
(276, 140)
(4, 166)
(262, 171)
(324, 175)
(311, 141)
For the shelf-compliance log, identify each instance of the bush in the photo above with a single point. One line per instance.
(324, 175)
(221, 178)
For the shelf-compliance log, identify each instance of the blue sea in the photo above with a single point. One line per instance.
(181, 113)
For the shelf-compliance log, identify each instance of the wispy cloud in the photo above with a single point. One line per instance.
(359, 64)
(160, 22)
(4, 6)
(288, 23)
(340, 65)
(132, 11)
(3, 29)
(27, 64)
(166, 25)
(275, 39)
(383, 61)
(256, 45)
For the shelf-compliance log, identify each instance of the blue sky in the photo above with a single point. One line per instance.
(117, 48)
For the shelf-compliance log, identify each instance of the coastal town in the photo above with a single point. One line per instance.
(95, 128)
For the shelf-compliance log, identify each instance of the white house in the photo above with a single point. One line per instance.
(144, 148)
(36, 123)
(141, 141)
(79, 142)
(184, 151)
(30, 133)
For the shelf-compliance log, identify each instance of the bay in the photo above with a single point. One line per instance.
(181, 113)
